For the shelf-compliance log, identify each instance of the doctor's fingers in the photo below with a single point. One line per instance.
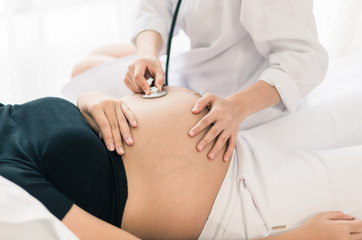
(230, 147)
(221, 140)
(139, 78)
(216, 131)
(129, 81)
(149, 67)
(226, 137)
(205, 101)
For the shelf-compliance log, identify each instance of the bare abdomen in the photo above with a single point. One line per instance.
(171, 186)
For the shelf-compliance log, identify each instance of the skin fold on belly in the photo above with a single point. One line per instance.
(171, 186)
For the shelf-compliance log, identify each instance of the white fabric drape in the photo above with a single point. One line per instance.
(41, 40)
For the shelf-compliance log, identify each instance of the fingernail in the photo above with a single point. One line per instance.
(129, 140)
(194, 109)
(192, 133)
(211, 155)
(111, 147)
(120, 150)
(226, 159)
(134, 122)
(200, 147)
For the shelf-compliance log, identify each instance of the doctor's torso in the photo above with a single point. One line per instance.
(222, 57)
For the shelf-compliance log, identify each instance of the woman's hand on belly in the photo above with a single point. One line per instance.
(109, 117)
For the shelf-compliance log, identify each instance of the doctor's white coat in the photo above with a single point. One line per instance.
(234, 43)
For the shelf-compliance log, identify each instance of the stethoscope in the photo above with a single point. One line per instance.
(154, 92)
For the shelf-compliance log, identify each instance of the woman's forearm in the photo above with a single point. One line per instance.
(149, 43)
(86, 226)
(255, 98)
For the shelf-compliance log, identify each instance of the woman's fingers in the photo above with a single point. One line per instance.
(124, 129)
(113, 120)
(112, 117)
(101, 119)
(129, 114)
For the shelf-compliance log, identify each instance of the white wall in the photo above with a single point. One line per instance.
(339, 25)
(41, 40)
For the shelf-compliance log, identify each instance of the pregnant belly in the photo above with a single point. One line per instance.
(171, 185)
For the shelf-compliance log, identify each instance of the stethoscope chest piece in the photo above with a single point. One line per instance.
(154, 93)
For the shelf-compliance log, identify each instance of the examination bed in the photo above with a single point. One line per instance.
(23, 217)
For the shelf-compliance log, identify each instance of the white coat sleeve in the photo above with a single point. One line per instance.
(284, 32)
(153, 15)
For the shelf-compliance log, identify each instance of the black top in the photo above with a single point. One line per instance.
(48, 149)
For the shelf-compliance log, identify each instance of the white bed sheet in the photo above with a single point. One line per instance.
(23, 217)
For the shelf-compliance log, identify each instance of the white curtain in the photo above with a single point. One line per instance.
(41, 40)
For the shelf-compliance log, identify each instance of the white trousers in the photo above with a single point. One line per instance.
(287, 170)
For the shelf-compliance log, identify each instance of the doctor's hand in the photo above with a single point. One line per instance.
(109, 117)
(141, 70)
(223, 119)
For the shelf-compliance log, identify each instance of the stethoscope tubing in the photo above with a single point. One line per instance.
(169, 42)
